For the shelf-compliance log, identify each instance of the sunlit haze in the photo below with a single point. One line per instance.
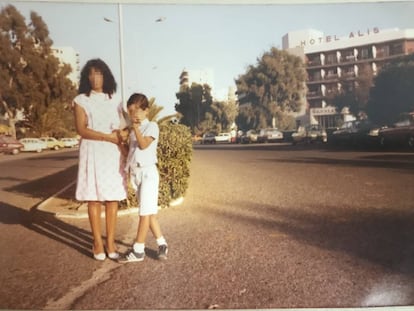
(160, 40)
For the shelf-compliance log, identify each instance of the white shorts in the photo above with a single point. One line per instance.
(145, 181)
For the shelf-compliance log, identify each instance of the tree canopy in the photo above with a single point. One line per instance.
(271, 89)
(201, 112)
(393, 93)
(31, 78)
(354, 93)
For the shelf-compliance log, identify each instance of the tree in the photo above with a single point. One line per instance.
(354, 94)
(30, 75)
(185, 107)
(201, 112)
(275, 86)
(393, 93)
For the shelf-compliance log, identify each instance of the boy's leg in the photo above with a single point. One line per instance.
(138, 248)
(161, 242)
(155, 227)
(143, 226)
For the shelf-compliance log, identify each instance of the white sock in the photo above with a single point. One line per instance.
(139, 247)
(161, 241)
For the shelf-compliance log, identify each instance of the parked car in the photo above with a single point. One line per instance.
(223, 138)
(309, 134)
(356, 133)
(33, 144)
(249, 137)
(402, 133)
(208, 138)
(269, 135)
(196, 139)
(52, 143)
(69, 142)
(9, 145)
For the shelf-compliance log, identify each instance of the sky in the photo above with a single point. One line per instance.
(225, 37)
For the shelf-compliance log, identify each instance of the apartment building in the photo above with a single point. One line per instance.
(330, 59)
(203, 76)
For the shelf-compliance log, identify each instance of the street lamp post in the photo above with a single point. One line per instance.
(121, 51)
(121, 48)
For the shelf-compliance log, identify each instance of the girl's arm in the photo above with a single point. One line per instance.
(87, 133)
(123, 141)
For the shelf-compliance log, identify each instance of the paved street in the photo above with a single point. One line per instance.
(261, 226)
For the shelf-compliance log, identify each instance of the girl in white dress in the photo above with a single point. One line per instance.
(101, 178)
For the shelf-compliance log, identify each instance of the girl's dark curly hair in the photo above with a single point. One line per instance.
(109, 83)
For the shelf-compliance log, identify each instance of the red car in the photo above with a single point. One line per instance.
(10, 145)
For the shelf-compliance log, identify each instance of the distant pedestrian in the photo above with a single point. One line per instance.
(101, 177)
(141, 165)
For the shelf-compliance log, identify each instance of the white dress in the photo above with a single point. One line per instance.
(101, 175)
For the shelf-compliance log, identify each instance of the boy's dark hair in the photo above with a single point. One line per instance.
(140, 99)
(109, 84)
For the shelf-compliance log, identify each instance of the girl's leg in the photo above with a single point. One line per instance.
(111, 212)
(94, 213)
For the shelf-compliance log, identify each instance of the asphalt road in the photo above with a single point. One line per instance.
(261, 226)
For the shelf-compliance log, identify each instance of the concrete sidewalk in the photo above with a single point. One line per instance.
(63, 205)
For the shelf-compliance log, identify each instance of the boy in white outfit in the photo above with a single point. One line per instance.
(141, 165)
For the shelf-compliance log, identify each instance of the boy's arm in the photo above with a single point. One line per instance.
(142, 141)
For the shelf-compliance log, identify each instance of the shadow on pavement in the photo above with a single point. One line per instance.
(44, 222)
(382, 236)
(45, 187)
(403, 162)
(286, 146)
(49, 226)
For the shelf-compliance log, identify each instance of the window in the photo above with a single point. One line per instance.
(331, 59)
(396, 48)
(365, 53)
(383, 51)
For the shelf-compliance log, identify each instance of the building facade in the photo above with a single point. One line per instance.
(205, 76)
(68, 55)
(330, 59)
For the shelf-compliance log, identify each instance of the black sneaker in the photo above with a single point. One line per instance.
(162, 251)
(132, 256)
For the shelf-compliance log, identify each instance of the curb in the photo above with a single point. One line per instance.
(82, 211)
(84, 215)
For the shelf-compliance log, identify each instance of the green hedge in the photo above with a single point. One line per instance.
(175, 150)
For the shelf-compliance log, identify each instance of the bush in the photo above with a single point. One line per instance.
(175, 149)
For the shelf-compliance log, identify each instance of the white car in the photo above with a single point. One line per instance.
(269, 135)
(223, 138)
(33, 144)
(52, 143)
(70, 142)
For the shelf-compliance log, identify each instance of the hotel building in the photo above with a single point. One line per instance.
(329, 59)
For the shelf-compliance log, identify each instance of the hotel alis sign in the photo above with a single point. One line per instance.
(334, 38)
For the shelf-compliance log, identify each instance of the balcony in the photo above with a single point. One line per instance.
(314, 63)
(348, 59)
(314, 95)
(331, 76)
